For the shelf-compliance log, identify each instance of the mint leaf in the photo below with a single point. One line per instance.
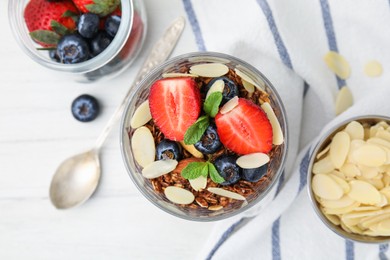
(195, 132)
(211, 104)
(214, 174)
(58, 27)
(102, 7)
(195, 169)
(69, 13)
(45, 36)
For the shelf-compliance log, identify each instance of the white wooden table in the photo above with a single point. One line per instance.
(37, 132)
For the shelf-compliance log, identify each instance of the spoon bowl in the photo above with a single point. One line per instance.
(75, 180)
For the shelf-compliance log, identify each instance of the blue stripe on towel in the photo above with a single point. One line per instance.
(383, 248)
(303, 167)
(223, 238)
(349, 250)
(282, 50)
(276, 240)
(194, 24)
(328, 24)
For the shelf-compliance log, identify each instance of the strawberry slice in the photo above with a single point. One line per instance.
(175, 105)
(245, 129)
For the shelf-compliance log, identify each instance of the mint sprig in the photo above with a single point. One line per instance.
(59, 28)
(196, 169)
(195, 132)
(210, 107)
(45, 36)
(211, 104)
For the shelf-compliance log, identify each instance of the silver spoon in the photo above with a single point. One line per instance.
(77, 177)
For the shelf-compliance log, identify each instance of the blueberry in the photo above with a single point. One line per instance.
(209, 142)
(85, 108)
(255, 174)
(100, 42)
(229, 91)
(72, 48)
(228, 169)
(54, 55)
(168, 149)
(112, 24)
(88, 25)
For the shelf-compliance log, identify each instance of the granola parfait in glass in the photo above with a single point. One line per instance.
(204, 136)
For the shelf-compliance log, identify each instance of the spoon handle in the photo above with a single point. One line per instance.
(159, 53)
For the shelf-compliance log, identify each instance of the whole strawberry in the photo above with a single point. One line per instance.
(48, 20)
(99, 7)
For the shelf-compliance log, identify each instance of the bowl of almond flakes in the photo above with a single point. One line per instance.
(349, 179)
(204, 136)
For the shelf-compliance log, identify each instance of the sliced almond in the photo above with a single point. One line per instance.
(373, 69)
(382, 227)
(383, 201)
(350, 221)
(355, 130)
(323, 152)
(343, 202)
(372, 220)
(232, 103)
(339, 211)
(367, 208)
(384, 135)
(192, 150)
(248, 86)
(199, 183)
(209, 70)
(368, 172)
(178, 75)
(217, 86)
(344, 100)
(333, 218)
(339, 149)
(141, 115)
(370, 155)
(338, 64)
(374, 130)
(377, 183)
(326, 187)
(278, 138)
(142, 144)
(355, 144)
(379, 141)
(226, 193)
(179, 195)
(341, 182)
(324, 165)
(215, 207)
(253, 160)
(350, 170)
(245, 77)
(159, 168)
(364, 192)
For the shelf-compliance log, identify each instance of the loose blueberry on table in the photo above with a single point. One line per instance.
(73, 30)
(85, 108)
(212, 130)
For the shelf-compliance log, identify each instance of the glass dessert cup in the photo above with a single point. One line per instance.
(335, 220)
(263, 190)
(118, 56)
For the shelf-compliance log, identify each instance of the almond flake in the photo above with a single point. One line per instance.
(278, 138)
(178, 75)
(373, 69)
(217, 86)
(226, 193)
(253, 160)
(159, 168)
(141, 115)
(338, 64)
(370, 155)
(326, 187)
(232, 103)
(215, 207)
(142, 144)
(324, 165)
(339, 211)
(192, 150)
(384, 135)
(341, 182)
(339, 149)
(323, 152)
(248, 86)
(179, 195)
(245, 77)
(343, 202)
(364, 192)
(198, 183)
(344, 100)
(355, 130)
(209, 70)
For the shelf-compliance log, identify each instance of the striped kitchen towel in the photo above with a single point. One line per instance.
(287, 41)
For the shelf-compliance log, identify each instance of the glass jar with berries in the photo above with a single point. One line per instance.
(87, 39)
